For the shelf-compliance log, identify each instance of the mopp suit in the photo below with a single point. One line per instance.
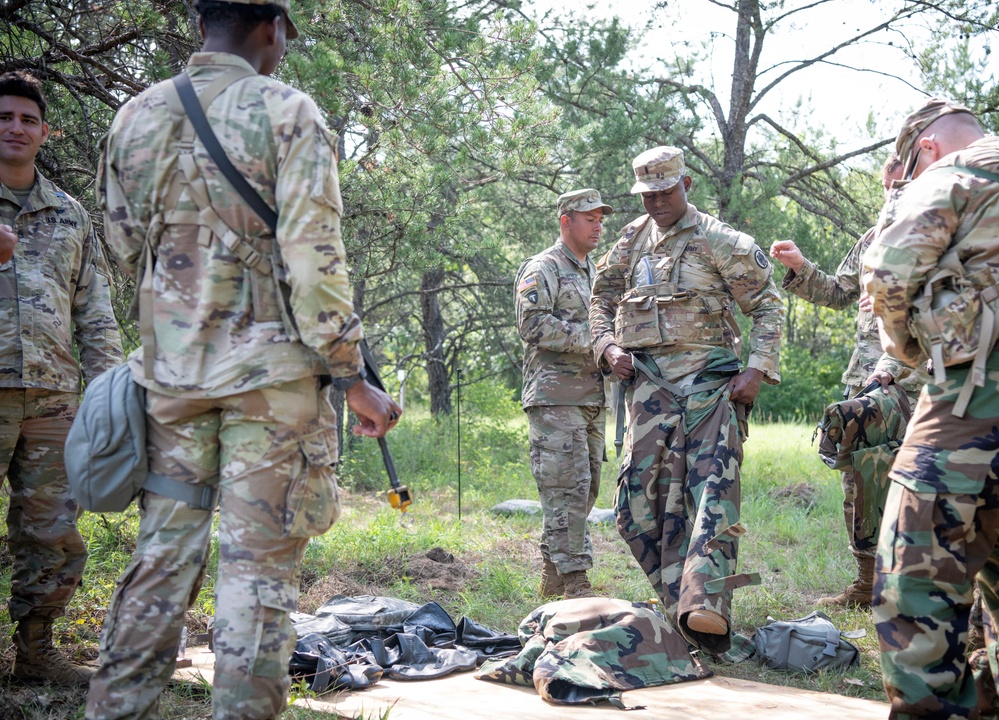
(941, 519)
(667, 295)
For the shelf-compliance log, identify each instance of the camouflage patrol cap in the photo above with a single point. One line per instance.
(283, 4)
(919, 120)
(582, 201)
(658, 169)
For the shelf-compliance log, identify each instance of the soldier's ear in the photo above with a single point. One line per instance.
(563, 221)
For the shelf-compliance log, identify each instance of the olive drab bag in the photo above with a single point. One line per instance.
(861, 435)
(105, 455)
(808, 644)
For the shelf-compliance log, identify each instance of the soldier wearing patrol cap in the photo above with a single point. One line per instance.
(932, 274)
(661, 319)
(564, 390)
(240, 326)
(54, 298)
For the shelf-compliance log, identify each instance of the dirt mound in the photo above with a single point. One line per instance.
(801, 494)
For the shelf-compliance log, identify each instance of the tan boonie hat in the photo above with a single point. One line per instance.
(283, 4)
(919, 120)
(658, 169)
(582, 201)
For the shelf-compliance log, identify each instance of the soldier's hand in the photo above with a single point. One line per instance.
(7, 242)
(787, 254)
(745, 386)
(377, 412)
(620, 362)
(866, 303)
(882, 378)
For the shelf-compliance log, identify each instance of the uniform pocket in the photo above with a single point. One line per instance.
(636, 323)
(313, 500)
(551, 458)
(270, 659)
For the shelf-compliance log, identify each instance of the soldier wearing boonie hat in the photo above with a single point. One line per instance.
(931, 274)
(660, 320)
(236, 396)
(564, 390)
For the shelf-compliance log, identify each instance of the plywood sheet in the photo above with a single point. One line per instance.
(461, 696)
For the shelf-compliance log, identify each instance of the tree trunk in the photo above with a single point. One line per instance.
(433, 337)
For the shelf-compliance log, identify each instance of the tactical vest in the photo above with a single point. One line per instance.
(660, 313)
(263, 270)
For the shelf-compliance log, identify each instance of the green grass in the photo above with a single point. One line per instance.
(796, 541)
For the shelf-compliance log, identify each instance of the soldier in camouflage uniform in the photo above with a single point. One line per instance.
(564, 390)
(868, 363)
(244, 325)
(54, 289)
(662, 317)
(932, 275)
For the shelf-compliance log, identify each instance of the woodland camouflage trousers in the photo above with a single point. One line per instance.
(939, 531)
(678, 497)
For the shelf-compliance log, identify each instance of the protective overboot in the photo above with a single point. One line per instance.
(38, 660)
(551, 582)
(858, 594)
(577, 585)
(707, 621)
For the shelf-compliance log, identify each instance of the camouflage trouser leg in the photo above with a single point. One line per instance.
(567, 450)
(271, 452)
(679, 489)
(940, 529)
(982, 658)
(47, 550)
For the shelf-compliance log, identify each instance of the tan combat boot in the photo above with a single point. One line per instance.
(707, 621)
(858, 594)
(551, 582)
(577, 585)
(38, 660)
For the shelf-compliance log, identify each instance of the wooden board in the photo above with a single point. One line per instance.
(460, 696)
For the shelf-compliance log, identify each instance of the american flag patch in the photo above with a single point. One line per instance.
(527, 283)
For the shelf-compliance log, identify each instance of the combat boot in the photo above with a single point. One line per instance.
(707, 621)
(38, 660)
(858, 594)
(577, 585)
(552, 584)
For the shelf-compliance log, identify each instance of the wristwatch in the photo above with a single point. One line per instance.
(345, 383)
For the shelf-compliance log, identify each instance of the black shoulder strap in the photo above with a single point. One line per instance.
(204, 130)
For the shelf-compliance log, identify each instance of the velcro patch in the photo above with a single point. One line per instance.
(527, 283)
(761, 259)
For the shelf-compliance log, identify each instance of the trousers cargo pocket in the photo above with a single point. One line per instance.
(551, 458)
(313, 501)
(271, 647)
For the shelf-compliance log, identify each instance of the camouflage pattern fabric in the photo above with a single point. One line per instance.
(245, 444)
(591, 649)
(276, 138)
(838, 292)
(689, 319)
(678, 500)
(941, 211)
(982, 658)
(679, 482)
(233, 399)
(55, 291)
(48, 554)
(567, 452)
(552, 302)
(940, 529)
(860, 437)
